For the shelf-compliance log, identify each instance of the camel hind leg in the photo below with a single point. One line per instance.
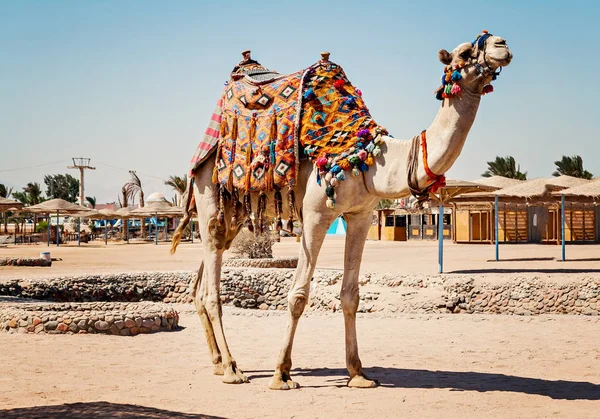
(217, 236)
(199, 294)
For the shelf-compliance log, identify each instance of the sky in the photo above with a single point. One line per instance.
(132, 84)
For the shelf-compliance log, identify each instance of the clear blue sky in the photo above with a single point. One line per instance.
(132, 84)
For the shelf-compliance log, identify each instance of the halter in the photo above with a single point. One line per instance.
(449, 86)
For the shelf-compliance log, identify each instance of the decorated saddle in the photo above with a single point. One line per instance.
(265, 123)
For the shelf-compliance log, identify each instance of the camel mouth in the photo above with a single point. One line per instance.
(501, 56)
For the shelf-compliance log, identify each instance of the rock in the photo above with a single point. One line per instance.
(101, 325)
(120, 324)
(264, 306)
(148, 323)
(129, 323)
(82, 324)
(125, 332)
(36, 321)
(138, 321)
(135, 330)
(62, 327)
(114, 329)
(23, 323)
(50, 325)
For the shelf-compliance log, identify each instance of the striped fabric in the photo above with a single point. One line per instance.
(210, 140)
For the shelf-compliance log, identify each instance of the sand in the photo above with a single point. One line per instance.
(429, 365)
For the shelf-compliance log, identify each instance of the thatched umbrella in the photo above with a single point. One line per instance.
(104, 214)
(56, 205)
(158, 209)
(125, 214)
(6, 204)
(445, 194)
(86, 214)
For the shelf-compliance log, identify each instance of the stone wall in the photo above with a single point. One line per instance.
(123, 319)
(25, 262)
(267, 289)
(282, 263)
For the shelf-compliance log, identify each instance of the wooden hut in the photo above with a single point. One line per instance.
(582, 213)
(528, 212)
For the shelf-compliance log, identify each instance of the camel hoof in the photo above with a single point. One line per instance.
(360, 381)
(278, 384)
(218, 369)
(234, 376)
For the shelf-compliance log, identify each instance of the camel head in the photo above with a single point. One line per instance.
(472, 66)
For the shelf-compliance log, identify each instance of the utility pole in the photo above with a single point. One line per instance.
(81, 163)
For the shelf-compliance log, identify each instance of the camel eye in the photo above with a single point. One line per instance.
(465, 55)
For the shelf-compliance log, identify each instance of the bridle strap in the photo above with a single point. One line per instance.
(437, 181)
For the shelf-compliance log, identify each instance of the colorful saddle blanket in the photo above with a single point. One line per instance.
(262, 128)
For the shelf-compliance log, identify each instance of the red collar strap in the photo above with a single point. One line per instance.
(439, 181)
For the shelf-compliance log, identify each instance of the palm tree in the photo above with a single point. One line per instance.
(571, 166)
(384, 204)
(34, 197)
(504, 166)
(91, 200)
(179, 185)
(133, 187)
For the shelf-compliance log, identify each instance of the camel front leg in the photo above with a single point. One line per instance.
(212, 303)
(314, 229)
(356, 235)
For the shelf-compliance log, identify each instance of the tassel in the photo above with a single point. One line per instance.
(291, 198)
(224, 127)
(444, 82)
(234, 127)
(329, 191)
(334, 182)
(221, 215)
(278, 210)
(330, 203)
(236, 206)
(488, 88)
(258, 220)
(456, 76)
(340, 176)
(455, 89)
(448, 89)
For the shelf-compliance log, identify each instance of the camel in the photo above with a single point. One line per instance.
(404, 167)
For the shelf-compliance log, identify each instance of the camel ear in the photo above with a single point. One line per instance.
(444, 56)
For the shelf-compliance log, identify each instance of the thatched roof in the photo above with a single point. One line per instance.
(498, 181)
(455, 188)
(7, 204)
(57, 205)
(540, 187)
(590, 189)
(160, 208)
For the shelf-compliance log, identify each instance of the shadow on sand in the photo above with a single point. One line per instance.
(527, 270)
(456, 381)
(96, 410)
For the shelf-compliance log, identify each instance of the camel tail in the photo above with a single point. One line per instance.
(187, 198)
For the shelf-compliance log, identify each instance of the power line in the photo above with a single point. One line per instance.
(32, 167)
(127, 170)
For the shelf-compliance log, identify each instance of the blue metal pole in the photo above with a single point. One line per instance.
(496, 216)
(192, 228)
(562, 214)
(441, 239)
(79, 231)
(106, 232)
(156, 230)
(167, 228)
(127, 234)
(57, 231)
(49, 225)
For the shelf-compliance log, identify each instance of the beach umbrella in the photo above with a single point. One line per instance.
(125, 214)
(59, 206)
(158, 209)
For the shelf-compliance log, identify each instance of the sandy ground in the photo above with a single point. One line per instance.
(429, 366)
(385, 257)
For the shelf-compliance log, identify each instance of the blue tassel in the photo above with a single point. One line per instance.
(341, 176)
(456, 75)
(364, 167)
(359, 145)
(350, 102)
(319, 178)
(336, 169)
(444, 82)
(370, 147)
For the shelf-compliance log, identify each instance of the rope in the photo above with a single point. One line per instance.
(421, 195)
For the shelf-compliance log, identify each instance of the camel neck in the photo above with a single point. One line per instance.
(447, 133)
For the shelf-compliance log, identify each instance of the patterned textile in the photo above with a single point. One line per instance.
(257, 127)
(257, 148)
